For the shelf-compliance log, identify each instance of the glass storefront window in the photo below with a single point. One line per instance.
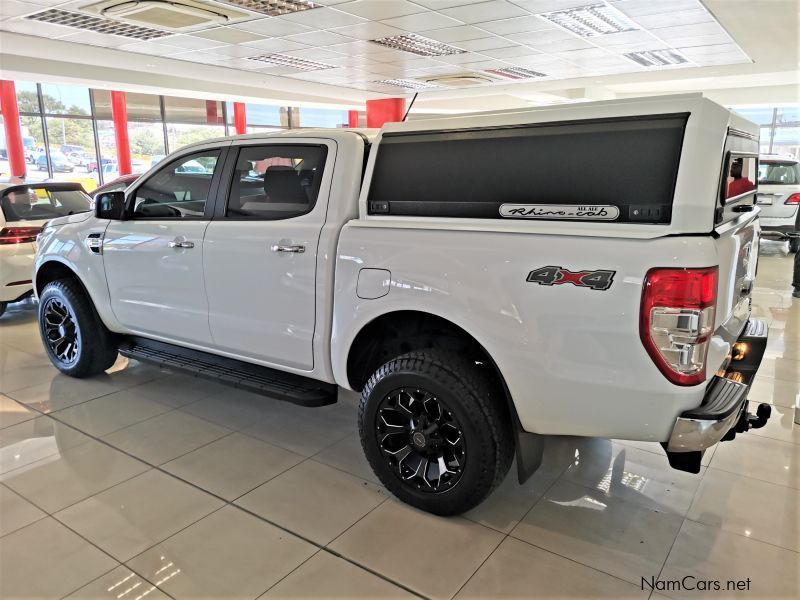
(182, 134)
(66, 100)
(27, 97)
(72, 149)
(140, 107)
(321, 117)
(261, 115)
(106, 169)
(147, 145)
(192, 110)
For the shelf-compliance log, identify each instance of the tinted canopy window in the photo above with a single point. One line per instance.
(622, 170)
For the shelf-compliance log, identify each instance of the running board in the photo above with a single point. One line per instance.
(235, 373)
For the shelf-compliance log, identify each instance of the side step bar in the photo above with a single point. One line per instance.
(253, 378)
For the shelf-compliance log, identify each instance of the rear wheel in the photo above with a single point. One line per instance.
(794, 244)
(433, 431)
(3, 306)
(74, 337)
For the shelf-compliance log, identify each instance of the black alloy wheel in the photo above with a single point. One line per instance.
(421, 439)
(62, 333)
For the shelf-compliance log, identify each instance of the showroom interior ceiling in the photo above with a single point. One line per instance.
(397, 46)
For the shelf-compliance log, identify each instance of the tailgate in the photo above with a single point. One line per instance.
(737, 249)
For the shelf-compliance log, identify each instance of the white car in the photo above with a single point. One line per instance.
(779, 198)
(482, 281)
(24, 209)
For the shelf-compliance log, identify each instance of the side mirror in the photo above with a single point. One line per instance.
(110, 205)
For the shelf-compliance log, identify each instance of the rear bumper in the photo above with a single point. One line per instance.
(723, 411)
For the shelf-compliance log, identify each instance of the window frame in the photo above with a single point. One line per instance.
(230, 170)
(213, 190)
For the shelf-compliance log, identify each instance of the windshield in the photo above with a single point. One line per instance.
(37, 203)
(778, 173)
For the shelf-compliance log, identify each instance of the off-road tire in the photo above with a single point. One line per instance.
(472, 397)
(97, 347)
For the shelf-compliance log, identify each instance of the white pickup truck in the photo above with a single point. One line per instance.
(482, 280)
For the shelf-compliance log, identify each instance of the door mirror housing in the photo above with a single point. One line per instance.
(110, 205)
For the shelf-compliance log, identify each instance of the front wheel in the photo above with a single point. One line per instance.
(434, 431)
(74, 337)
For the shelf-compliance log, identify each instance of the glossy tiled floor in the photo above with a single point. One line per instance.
(144, 483)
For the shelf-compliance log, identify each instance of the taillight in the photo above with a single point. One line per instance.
(18, 235)
(677, 320)
(793, 199)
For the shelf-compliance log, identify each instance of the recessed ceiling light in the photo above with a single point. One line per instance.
(592, 20)
(409, 83)
(515, 73)
(273, 8)
(416, 44)
(657, 58)
(96, 24)
(291, 61)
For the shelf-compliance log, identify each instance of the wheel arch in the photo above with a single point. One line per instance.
(52, 270)
(398, 332)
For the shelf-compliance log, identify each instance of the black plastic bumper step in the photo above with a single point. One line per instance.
(253, 378)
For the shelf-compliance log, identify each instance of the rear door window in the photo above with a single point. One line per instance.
(621, 169)
(274, 182)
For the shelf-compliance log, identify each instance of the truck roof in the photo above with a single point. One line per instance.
(649, 105)
(316, 132)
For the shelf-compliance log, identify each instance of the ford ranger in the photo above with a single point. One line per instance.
(481, 280)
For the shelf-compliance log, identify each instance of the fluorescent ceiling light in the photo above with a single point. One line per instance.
(657, 58)
(291, 61)
(273, 8)
(591, 20)
(97, 24)
(515, 73)
(409, 83)
(416, 44)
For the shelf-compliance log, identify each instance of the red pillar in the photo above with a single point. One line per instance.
(385, 111)
(352, 118)
(240, 118)
(119, 113)
(14, 147)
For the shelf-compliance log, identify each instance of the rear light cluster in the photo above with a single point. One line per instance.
(18, 235)
(793, 199)
(677, 320)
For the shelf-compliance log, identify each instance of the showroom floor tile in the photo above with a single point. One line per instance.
(143, 483)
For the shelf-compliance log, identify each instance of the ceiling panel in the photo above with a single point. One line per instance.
(462, 36)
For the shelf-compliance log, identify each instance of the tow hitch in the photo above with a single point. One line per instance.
(724, 411)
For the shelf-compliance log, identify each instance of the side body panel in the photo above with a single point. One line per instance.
(571, 356)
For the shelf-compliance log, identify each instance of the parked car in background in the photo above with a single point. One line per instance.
(155, 159)
(79, 159)
(117, 185)
(92, 166)
(110, 171)
(70, 148)
(58, 161)
(779, 198)
(24, 209)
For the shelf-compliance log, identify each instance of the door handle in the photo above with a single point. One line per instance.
(282, 248)
(180, 244)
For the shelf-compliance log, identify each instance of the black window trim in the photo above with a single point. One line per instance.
(229, 170)
(211, 201)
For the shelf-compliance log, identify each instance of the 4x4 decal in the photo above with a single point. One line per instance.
(596, 280)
